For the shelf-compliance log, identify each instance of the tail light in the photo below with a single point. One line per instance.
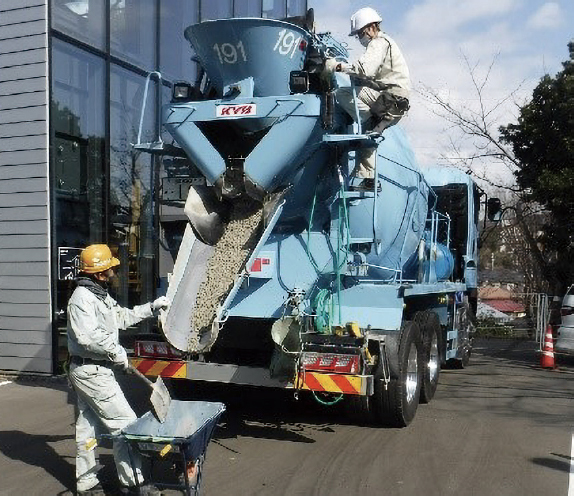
(156, 349)
(565, 311)
(330, 362)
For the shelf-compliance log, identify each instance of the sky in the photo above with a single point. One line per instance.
(521, 39)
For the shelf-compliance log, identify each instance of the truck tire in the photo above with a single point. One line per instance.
(431, 332)
(467, 330)
(396, 405)
(359, 409)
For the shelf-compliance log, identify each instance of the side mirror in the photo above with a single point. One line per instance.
(494, 209)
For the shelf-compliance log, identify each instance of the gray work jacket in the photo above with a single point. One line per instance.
(93, 325)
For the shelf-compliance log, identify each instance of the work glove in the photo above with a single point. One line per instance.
(331, 65)
(121, 361)
(160, 303)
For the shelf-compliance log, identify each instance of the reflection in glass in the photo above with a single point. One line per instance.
(131, 192)
(78, 117)
(83, 20)
(215, 10)
(77, 112)
(247, 8)
(296, 7)
(274, 9)
(133, 31)
(175, 50)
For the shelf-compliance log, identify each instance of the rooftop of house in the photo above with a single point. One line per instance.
(503, 276)
(495, 293)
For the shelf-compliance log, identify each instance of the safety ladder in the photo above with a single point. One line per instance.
(351, 196)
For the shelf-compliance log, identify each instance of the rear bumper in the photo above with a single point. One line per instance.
(358, 385)
(176, 369)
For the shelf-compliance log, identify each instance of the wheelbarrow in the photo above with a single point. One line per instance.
(182, 437)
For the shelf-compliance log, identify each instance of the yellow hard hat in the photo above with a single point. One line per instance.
(97, 258)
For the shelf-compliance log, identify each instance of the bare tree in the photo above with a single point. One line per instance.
(474, 140)
(475, 147)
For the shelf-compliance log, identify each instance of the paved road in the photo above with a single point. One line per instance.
(500, 427)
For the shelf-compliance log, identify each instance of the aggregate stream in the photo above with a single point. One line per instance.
(229, 257)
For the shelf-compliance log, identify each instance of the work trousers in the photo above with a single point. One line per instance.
(366, 98)
(101, 402)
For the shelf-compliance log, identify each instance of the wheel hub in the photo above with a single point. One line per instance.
(433, 364)
(412, 377)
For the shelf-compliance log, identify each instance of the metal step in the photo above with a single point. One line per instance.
(354, 241)
(360, 140)
(358, 195)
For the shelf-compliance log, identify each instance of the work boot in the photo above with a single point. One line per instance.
(380, 126)
(97, 490)
(367, 184)
(144, 490)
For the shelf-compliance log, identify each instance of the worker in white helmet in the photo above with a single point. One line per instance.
(383, 81)
(94, 319)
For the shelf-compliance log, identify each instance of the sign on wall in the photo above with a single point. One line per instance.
(68, 263)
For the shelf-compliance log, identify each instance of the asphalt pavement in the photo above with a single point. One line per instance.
(502, 426)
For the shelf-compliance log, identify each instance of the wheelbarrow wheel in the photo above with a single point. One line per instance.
(193, 482)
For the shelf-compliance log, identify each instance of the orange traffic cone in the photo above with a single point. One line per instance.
(547, 355)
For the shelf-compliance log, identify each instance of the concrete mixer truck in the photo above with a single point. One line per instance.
(288, 274)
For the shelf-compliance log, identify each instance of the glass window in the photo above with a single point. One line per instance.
(247, 8)
(78, 158)
(83, 20)
(220, 9)
(131, 192)
(78, 117)
(133, 31)
(274, 9)
(296, 7)
(176, 52)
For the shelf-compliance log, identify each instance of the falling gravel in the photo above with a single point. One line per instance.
(229, 257)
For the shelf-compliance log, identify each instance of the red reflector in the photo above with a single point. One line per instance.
(256, 267)
(330, 362)
(155, 349)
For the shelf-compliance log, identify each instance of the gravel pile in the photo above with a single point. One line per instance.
(229, 257)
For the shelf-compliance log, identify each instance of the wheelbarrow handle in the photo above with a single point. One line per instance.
(132, 370)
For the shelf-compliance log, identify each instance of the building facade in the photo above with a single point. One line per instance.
(72, 81)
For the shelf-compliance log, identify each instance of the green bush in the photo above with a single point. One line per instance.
(490, 327)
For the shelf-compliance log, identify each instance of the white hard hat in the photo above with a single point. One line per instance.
(363, 17)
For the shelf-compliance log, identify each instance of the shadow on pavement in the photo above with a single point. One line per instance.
(35, 449)
(262, 413)
(57, 383)
(559, 465)
(520, 353)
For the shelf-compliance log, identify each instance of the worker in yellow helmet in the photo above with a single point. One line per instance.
(94, 319)
(382, 78)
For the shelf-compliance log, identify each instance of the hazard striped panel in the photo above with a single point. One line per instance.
(163, 368)
(334, 383)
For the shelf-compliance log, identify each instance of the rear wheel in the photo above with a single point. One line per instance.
(396, 405)
(466, 330)
(359, 409)
(432, 344)
(463, 362)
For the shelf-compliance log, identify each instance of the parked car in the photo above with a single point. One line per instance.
(565, 335)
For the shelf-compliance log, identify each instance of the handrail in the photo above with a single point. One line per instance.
(357, 115)
(375, 204)
(146, 89)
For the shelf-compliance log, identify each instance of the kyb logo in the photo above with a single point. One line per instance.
(236, 110)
